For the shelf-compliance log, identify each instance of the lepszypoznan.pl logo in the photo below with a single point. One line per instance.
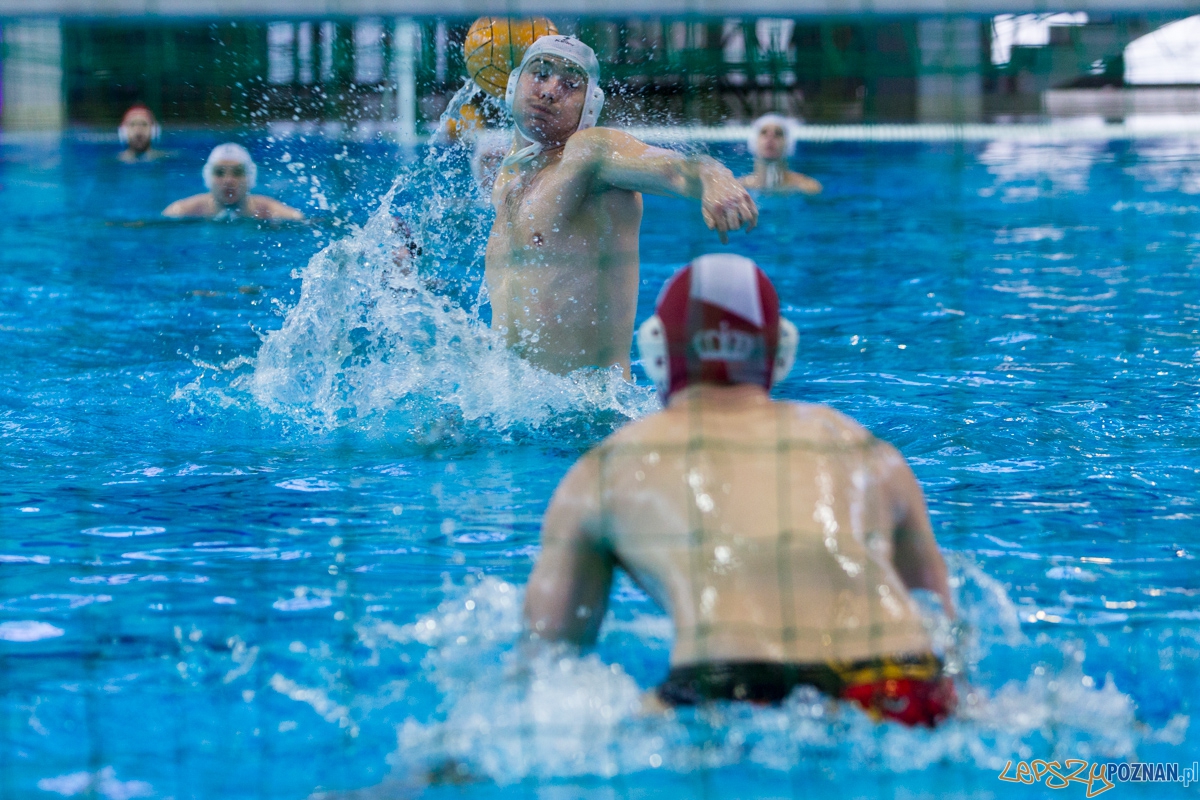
(1096, 777)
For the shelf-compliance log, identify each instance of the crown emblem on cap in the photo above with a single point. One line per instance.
(724, 344)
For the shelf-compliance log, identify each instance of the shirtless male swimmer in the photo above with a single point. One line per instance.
(230, 174)
(138, 132)
(782, 538)
(772, 142)
(562, 257)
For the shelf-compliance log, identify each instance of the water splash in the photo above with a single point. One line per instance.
(382, 333)
(508, 716)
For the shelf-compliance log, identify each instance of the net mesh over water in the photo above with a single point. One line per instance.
(272, 495)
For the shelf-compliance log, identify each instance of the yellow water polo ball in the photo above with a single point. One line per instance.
(494, 45)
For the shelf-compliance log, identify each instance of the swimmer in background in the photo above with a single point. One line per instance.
(487, 155)
(138, 132)
(782, 538)
(562, 258)
(230, 174)
(772, 142)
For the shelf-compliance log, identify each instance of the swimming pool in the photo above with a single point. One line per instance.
(269, 505)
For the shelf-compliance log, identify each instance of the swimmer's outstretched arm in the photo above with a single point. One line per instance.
(616, 159)
(568, 590)
(915, 553)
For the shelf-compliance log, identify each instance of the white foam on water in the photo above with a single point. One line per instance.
(123, 531)
(8, 559)
(511, 713)
(28, 631)
(317, 698)
(302, 603)
(309, 485)
(102, 782)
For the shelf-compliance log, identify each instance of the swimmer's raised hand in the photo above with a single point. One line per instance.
(724, 202)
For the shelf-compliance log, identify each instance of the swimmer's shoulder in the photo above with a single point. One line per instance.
(198, 205)
(263, 207)
(750, 181)
(804, 183)
(660, 429)
(816, 422)
(597, 137)
(598, 143)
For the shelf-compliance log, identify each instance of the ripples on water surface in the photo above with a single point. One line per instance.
(243, 569)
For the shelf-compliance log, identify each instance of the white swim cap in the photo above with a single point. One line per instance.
(575, 51)
(790, 132)
(230, 152)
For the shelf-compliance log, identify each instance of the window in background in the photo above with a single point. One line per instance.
(304, 52)
(1031, 30)
(281, 52)
(368, 51)
(1167, 56)
(328, 32)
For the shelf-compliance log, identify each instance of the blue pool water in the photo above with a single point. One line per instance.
(269, 504)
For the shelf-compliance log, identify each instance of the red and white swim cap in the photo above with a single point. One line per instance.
(139, 110)
(717, 321)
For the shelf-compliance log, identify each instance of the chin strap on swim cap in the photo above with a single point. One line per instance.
(570, 49)
(230, 152)
(524, 155)
(717, 321)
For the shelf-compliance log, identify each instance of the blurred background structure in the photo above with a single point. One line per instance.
(87, 67)
(89, 62)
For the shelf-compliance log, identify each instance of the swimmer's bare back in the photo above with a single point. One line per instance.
(256, 206)
(562, 258)
(774, 532)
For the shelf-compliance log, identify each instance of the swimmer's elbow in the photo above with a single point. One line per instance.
(935, 577)
(547, 619)
(920, 564)
(552, 630)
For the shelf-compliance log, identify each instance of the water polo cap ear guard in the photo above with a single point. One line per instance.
(790, 133)
(578, 53)
(707, 319)
(652, 347)
(231, 152)
(155, 130)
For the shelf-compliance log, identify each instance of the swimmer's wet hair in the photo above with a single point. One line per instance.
(230, 152)
(790, 132)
